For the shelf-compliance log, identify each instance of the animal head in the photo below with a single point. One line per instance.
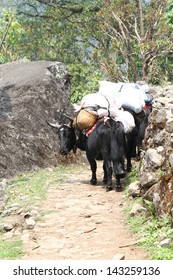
(67, 137)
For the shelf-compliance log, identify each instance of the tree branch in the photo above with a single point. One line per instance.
(6, 32)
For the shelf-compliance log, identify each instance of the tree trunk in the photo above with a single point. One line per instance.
(141, 20)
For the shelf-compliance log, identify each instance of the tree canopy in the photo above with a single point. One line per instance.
(118, 40)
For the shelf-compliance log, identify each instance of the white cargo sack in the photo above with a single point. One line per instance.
(127, 120)
(133, 99)
(109, 87)
(94, 100)
(102, 104)
(114, 103)
(129, 95)
(132, 87)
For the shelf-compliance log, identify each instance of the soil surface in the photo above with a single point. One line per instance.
(81, 222)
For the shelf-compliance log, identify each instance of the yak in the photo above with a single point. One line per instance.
(106, 142)
(135, 137)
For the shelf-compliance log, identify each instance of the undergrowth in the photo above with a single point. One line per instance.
(151, 230)
(10, 250)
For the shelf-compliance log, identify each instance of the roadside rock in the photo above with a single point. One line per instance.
(30, 94)
(134, 189)
(3, 194)
(8, 227)
(148, 179)
(119, 257)
(153, 159)
(30, 223)
(137, 208)
(166, 242)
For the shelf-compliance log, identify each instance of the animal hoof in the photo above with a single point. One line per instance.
(129, 168)
(93, 182)
(122, 174)
(105, 181)
(109, 188)
(119, 189)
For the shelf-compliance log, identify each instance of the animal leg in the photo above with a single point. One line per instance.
(93, 180)
(118, 183)
(93, 166)
(118, 150)
(129, 164)
(105, 177)
(131, 146)
(107, 174)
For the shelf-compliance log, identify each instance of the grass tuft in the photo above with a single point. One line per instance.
(10, 250)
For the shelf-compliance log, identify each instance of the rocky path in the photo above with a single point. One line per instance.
(81, 222)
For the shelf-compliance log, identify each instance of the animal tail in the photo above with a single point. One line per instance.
(118, 148)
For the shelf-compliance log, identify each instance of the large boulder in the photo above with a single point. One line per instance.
(30, 94)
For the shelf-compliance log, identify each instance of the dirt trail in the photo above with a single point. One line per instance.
(83, 222)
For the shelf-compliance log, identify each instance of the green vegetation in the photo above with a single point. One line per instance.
(27, 188)
(112, 39)
(27, 191)
(150, 230)
(30, 188)
(131, 176)
(10, 250)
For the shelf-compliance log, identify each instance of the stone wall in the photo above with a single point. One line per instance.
(156, 170)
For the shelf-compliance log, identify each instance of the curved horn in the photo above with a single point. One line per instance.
(68, 117)
(57, 125)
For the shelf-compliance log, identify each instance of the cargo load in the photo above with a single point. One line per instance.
(127, 120)
(94, 106)
(85, 119)
(131, 95)
(103, 104)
